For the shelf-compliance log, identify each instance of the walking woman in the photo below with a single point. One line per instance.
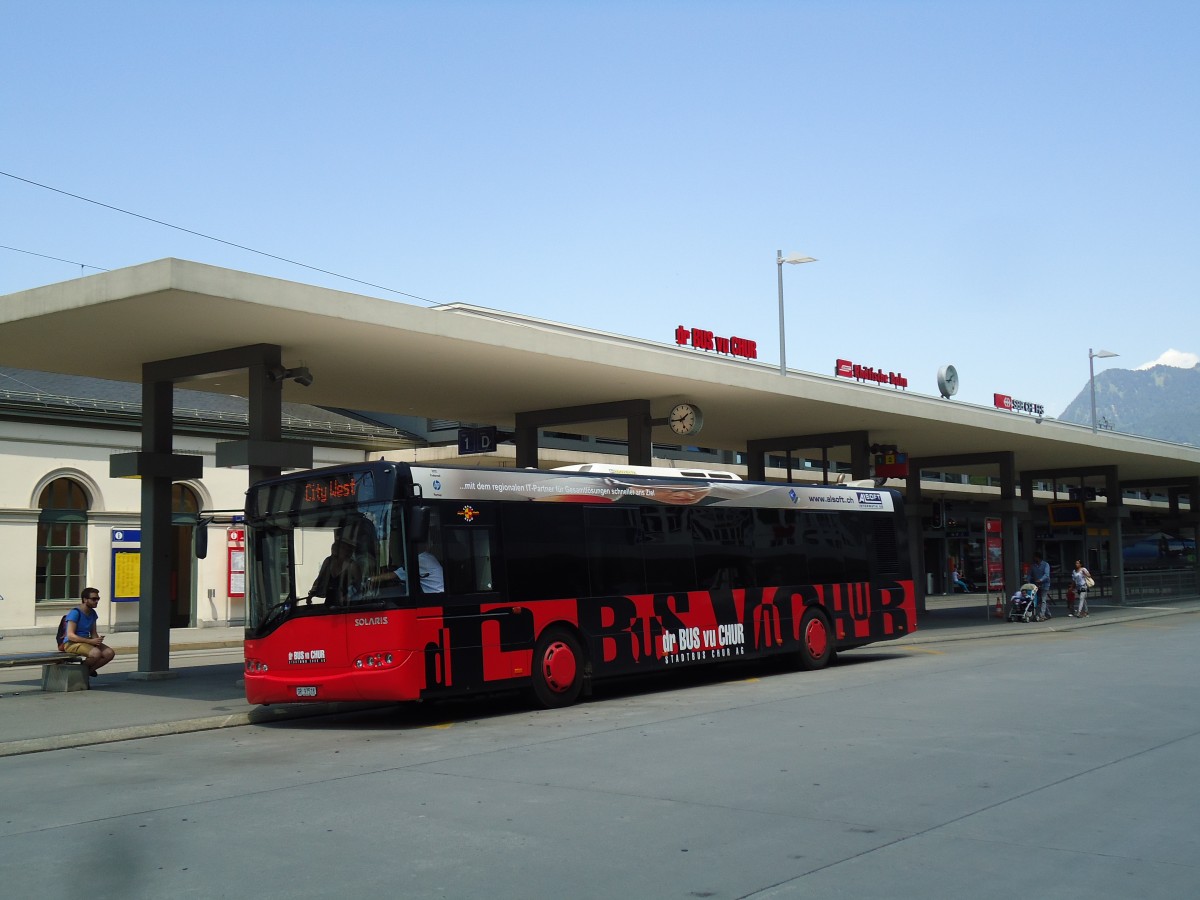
(1083, 580)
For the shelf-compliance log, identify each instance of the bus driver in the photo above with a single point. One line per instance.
(340, 576)
(432, 578)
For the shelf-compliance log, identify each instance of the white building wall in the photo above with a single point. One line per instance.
(33, 454)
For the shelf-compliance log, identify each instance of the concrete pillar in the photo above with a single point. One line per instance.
(1010, 510)
(154, 608)
(916, 535)
(1117, 512)
(525, 435)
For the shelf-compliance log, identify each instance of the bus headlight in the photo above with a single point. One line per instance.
(378, 660)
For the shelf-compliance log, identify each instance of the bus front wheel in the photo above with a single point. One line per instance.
(557, 669)
(816, 641)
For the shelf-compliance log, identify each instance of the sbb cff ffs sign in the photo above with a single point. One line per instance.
(706, 340)
(1004, 401)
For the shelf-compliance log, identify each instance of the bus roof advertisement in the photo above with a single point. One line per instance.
(486, 484)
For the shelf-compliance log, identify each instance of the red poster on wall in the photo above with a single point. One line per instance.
(236, 545)
(993, 540)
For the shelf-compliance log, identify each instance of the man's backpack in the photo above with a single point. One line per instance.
(62, 633)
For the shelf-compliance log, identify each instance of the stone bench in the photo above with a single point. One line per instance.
(60, 671)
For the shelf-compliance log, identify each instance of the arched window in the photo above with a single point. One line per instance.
(62, 541)
(185, 505)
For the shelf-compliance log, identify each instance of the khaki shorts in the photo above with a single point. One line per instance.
(81, 649)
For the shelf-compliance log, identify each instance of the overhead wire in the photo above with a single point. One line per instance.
(207, 237)
(55, 258)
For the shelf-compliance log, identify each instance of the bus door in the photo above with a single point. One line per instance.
(472, 638)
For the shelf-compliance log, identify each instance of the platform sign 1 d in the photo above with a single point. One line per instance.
(477, 440)
(126, 565)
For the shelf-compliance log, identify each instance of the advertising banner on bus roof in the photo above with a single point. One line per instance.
(481, 484)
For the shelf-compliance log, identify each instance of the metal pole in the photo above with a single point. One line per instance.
(782, 348)
(1091, 382)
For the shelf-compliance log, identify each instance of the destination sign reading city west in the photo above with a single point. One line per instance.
(325, 490)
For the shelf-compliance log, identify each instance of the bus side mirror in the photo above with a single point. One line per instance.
(418, 524)
(200, 536)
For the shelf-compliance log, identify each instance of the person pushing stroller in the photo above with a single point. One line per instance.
(1039, 574)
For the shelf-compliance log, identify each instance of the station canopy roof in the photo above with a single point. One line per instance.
(482, 366)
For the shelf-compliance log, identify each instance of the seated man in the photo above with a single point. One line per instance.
(82, 635)
(958, 583)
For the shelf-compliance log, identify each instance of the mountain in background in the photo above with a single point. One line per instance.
(1162, 402)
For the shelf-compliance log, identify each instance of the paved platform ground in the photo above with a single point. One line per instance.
(206, 691)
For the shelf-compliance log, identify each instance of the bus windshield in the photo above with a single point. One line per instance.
(321, 541)
(316, 561)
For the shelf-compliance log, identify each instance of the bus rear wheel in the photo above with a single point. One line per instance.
(816, 641)
(557, 669)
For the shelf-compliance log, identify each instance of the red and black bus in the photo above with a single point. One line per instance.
(386, 581)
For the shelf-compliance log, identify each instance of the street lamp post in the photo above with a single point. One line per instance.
(1099, 354)
(780, 259)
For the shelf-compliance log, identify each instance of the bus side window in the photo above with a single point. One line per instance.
(667, 549)
(723, 540)
(615, 563)
(781, 555)
(543, 550)
(468, 560)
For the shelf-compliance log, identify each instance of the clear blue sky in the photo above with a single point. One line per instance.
(997, 185)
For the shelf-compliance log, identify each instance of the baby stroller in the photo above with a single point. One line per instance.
(1023, 605)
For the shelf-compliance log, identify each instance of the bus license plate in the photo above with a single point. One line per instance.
(306, 691)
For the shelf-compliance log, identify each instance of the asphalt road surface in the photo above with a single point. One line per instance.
(1049, 766)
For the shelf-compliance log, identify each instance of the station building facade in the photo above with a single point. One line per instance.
(61, 511)
(66, 524)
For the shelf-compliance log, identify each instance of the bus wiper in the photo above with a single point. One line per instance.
(276, 613)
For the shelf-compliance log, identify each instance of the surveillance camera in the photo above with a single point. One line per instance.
(301, 375)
